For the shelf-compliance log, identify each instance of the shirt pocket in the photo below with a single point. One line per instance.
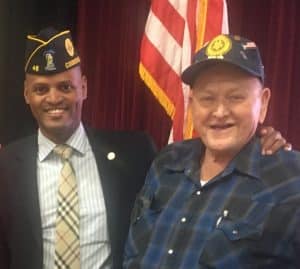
(144, 215)
(240, 230)
(233, 241)
(145, 206)
(230, 245)
(249, 226)
(143, 218)
(140, 232)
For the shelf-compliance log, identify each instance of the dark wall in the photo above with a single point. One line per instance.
(17, 19)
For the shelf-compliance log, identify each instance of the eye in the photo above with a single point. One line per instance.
(236, 97)
(206, 98)
(40, 89)
(66, 87)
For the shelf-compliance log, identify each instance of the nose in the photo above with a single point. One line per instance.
(54, 96)
(220, 110)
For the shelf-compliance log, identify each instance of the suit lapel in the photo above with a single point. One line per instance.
(109, 175)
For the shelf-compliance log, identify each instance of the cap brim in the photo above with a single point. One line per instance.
(190, 74)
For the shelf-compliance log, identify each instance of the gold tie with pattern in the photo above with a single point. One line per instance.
(67, 247)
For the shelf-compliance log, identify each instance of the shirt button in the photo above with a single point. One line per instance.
(188, 172)
(198, 192)
(183, 220)
(170, 251)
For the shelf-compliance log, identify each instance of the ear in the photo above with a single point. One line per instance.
(26, 92)
(265, 98)
(84, 86)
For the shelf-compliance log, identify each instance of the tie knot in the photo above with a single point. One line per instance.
(63, 151)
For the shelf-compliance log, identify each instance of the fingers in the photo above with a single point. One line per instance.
(265, 133)
(271, 148)
(288, 146)
(265, 130)
(272, 141)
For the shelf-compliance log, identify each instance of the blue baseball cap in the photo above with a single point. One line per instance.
(232, 49)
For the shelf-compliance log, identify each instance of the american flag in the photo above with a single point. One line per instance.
(174, 30)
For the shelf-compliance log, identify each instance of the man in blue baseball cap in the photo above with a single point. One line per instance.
(216, 201)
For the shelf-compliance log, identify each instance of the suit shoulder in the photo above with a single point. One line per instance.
(132, 142)
(18, 145)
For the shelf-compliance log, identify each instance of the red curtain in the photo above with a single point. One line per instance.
(109, 35)
(275, 25)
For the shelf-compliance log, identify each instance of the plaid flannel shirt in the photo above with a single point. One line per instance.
(245, 217)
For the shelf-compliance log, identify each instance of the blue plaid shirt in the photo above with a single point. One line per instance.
(245, 217)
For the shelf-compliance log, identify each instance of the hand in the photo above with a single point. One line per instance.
(272, 140)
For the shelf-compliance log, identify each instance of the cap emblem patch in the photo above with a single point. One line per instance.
(69, 47)
(218, 47)
(49, 60)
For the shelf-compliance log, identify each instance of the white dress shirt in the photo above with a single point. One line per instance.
(95, 249)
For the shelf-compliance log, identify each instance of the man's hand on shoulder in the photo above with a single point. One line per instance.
(272, 140)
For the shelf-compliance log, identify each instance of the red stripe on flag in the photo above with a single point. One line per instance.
(214, 19)
(166, 78)
(170, 18)
(204, 20)
(191, 20)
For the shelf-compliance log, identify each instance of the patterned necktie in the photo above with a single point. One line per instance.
(67, 247)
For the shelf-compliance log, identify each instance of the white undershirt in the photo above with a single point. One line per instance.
(202, 182)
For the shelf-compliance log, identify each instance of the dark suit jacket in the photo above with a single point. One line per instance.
(21, 245)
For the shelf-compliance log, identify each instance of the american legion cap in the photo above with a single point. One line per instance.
(50, 52)
(231, 49)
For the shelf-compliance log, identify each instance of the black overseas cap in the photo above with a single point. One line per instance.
(50, 52)
(231, 49)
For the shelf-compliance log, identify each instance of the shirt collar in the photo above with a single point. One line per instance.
(78, 141)
(187, 159)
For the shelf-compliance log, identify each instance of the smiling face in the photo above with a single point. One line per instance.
(227, 104)
(56, 102)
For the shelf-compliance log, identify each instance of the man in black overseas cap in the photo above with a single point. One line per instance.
(217, 202)
(66, 193)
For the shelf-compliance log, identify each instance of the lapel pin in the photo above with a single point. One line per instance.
(111, 156)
